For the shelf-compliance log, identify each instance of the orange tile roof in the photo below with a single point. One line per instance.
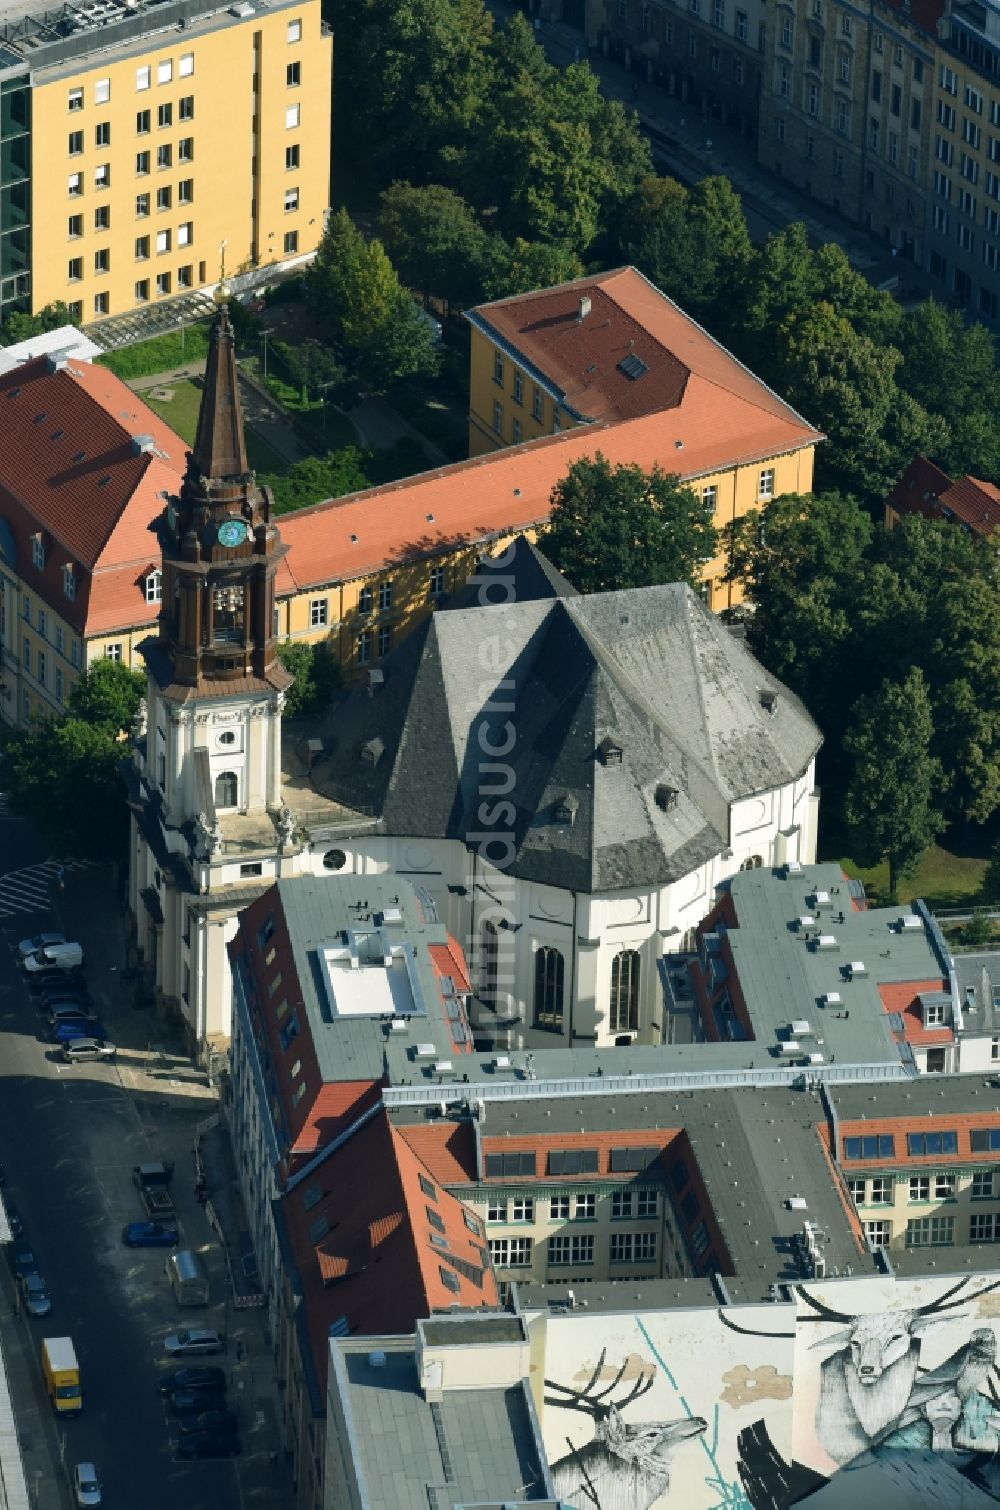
(629, 316)
(337, 1104)
(70, 469)
(926, 490)
(376, 1265)
(446, 1149)
(448, 959)
(903, 997)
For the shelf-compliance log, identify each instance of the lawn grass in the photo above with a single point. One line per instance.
(181, 413)
(161, 354)
(943, 878)
(332, 433)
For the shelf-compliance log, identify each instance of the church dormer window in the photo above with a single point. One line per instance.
(228, 620)
(610, 751)
(153, 586)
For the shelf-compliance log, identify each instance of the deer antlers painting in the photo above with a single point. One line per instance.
(623, 1466)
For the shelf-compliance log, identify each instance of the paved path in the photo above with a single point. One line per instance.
(379, 426)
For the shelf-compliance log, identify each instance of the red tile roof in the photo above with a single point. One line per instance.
(336, 1106)
(69, 468)
(628, 317)
(376, 1265)
(448, 959)
(903, 997)
(926, 490)
(446, 1149)
(923, 13)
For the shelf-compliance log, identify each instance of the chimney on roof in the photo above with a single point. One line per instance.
(56, 360)
(585, 308)
(143, 445)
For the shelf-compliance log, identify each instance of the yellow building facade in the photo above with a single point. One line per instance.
(154, 156)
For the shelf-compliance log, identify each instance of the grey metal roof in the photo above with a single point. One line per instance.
(978, 977)
(519, 573)
(316, 910)
(651, 670)
(475, 1446)
(925, 1096)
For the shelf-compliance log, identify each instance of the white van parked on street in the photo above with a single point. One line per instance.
(55, 957)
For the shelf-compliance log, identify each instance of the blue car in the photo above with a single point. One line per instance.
(149, 1235)
(67, 1031)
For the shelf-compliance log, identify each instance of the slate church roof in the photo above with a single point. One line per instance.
(604, 737)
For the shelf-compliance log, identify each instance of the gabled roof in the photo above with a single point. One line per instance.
(361, 1234)
(651, 671)
(926, 490)
(518, 573)
(83, 461)
(633, 352)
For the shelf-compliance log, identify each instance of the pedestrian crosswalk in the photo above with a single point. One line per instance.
(33, 888)
(5, 808)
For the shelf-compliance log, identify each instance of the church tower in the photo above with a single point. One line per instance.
(208, 816)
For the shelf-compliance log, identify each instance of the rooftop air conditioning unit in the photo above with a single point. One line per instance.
(821, 899)
(833, 999)
(857, 967)
(816, 1058)
(392, 915)
(797, 1203)
(793, 868)
(501, 1062)
(826, 941)
(426, 1051)
(910, 921)
(399, 1025)
(806, 921)
(443, 1067)
(800, 1029)
(789, 1047)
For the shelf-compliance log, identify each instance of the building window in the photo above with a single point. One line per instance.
(142, 291)
(516, 433)
(26, 653)
(69, 591)
(295, 31)
(74, 269)
(498, 416)
(585, 1209)
(76, 99)
(765, 483)
(102, 218)
(185, 233)
(559, 1208)
(549, 977)
(566, 1252)
(291, 157)
(384, 640)
(881, 1190)
(142, 78)
(60, 684)
(648, 1204)
(185, 65)
(293, 75)
(75, 143)
(621, 1205)
(496, 1210)
(185, 191)
(226, 789)
(536, 404)
(102, 134)
(74, 648)
(624, 1004)
(185, 108)
(511, 1252)
(102, 176)
(163, 198)
(41, 668)
(692, 40)
(75, 183)
(164, 156)
(141, 248)
(920, 1187)
(931, 1144)
(293, 117)
(102, 304)
(291, 200)
(162, 242)
(436, 583)
(142, 161)
(385, 595)
(75, 226)
(982, 1185)
(102, 261)
(141, 206)
(786, 31)
(878, 1233)
(522, 1209)
(944, 1187)
(984, 1227)
(366, 600)
(164, 116)
(857, 1189)
(364, 647)
(164, 71)
(871, 1146)
(621, 1247)
(319, 612)
(930, 1232)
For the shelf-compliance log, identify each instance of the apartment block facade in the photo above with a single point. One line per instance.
(138, 149)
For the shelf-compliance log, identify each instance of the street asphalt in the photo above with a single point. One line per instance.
(69, 1136)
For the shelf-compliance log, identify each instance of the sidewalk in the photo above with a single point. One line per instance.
(37, 1436)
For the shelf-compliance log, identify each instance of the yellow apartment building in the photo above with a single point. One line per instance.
(140, 143)
(611, 364)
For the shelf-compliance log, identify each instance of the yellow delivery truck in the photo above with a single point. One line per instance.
(62, 1375)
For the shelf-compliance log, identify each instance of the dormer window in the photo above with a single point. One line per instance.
(38, 551)
(69, 580)
(154, 586)
(565, 810)
(769, 701)
(610, 751)
(665, 797)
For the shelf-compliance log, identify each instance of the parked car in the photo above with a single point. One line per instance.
(207, 1444)
(47, 979)
(65, 956)
(67, 1011)
(193, 1377)
(65, 1032)
(193, 1341)
(14, 1221)
(49, 1000)
(23, 1258)
(80, 1050)
(85, 1485)
(40, 941)
(223, 1422)
(195, 1402)
(149, 1235)
(35, 1295)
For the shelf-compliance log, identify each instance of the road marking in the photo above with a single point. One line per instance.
(31, 889)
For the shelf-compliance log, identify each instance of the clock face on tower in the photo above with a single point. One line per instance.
(232, 532)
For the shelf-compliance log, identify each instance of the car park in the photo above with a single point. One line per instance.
(194, 1402)
(222, 1422)
(86, 1485)
(193, 1341)
(149, 1235)
(40, 941)
(22, 1258)
(205, 1444)
(81, 1050)
(35, 1296)
(193, 1377)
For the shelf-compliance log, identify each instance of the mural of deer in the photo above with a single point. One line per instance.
(623, 1466)
(867, 1384)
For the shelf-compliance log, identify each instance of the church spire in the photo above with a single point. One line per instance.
(220, 448)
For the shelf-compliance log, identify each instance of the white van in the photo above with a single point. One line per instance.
(55, 957)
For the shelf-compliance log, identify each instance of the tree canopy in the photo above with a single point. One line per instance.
(616, 527)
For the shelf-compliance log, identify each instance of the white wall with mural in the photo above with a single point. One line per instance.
(861, 1392)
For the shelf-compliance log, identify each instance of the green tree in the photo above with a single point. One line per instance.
(63, 777)
(889, 804)
(950, 368)
(779, 281)
(989, 890)
(108, 695)
(317, 676)
(316, 478)
(354, 292)
(19, 326)
(436, 242)
(528, 265)
(622, 527)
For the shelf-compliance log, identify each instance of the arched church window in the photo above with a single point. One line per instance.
(226, 789)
